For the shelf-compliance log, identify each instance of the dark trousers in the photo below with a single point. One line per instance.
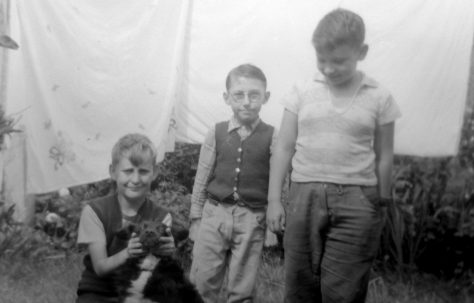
(332, 236)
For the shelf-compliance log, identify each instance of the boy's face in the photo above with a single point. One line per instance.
(133, 181)
(246, 97)
(339, 64)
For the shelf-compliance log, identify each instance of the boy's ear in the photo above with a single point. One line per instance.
(267, 96)
(363, 51)
(112, 172)
(226, 96)
(155, 171)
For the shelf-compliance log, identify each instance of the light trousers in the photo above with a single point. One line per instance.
(232, 236)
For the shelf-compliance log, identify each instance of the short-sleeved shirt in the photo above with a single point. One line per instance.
(336, 144)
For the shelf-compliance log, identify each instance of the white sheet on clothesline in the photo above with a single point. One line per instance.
(89, 71)
(86, 73)
(420, 50)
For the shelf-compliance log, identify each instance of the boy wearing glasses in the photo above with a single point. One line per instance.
(229, 197)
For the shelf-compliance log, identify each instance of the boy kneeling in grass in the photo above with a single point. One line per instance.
(133, 168)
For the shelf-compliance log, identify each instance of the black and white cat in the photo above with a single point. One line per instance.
(151, 277)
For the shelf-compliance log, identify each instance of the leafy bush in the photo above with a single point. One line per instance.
(177, 170)
(18, 240)
(432, 218)
(58, 215)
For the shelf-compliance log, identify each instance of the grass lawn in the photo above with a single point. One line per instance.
(55, 280)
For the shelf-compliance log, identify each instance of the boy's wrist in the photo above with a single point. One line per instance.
(274, 202)
(274, 199)
(126, 253)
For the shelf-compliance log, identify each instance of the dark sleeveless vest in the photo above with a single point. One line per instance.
(108, 210)
(242, 166)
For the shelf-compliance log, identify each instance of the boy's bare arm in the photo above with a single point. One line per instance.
(103, 264)
(279, 166)
(383, 146)
(91, 232)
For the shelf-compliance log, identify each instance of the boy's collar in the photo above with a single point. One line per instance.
(235, 124)
(366, 81)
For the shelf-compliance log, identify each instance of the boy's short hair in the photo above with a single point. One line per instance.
(338, 27)
(136, 147)
(247, 71)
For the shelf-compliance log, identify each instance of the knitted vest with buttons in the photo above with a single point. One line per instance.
(242, 166)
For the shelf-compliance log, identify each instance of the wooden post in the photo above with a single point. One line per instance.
(14, 185)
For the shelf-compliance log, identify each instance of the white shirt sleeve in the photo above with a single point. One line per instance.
(389, 111)
(168, 221)
(90, 228)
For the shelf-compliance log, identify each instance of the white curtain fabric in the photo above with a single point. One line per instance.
(4, 30)
(89, 71)
(419, 50)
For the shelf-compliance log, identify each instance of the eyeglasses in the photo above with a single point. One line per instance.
(253, 97)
